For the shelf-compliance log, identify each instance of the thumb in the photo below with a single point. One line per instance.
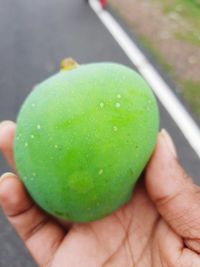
(175, 196)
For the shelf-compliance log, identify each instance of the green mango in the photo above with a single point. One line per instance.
(83, 138)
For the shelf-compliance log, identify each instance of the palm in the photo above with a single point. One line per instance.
(132, 236)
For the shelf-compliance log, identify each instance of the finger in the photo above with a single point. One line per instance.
(176, 198)
(171, 248)
(41, 234)
(7, 133)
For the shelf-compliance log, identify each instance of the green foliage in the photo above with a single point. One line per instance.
(191, 92)
(187, 9)
(194, 3)
(188, 37)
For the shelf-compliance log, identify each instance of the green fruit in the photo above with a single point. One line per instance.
(83, 138)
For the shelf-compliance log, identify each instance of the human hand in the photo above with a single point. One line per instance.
(160, 226)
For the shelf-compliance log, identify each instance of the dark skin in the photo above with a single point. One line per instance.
(159, 227)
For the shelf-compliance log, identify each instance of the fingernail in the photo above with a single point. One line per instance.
(169, 142)
(6, 175)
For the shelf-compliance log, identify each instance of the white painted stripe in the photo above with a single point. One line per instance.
(177, 111)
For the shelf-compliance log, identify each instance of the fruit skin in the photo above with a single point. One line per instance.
(83, 138)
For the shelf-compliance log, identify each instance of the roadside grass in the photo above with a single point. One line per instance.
(190, 9)
(190, 89)
(191, 92)
(188, 37)
(189, 12)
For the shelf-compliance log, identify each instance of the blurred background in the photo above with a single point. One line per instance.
(36, 35)
(170, 32)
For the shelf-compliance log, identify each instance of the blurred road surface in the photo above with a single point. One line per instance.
(34, 37)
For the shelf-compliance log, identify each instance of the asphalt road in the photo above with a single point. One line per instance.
(34, 37)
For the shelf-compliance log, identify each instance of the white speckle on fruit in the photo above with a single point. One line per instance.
(25, 178)
(26, 144)
(32, 136)
(118, 96)
(33, 105)
(38, 126)
(100, 172)
(117, 105)
(34, 174)
(115, 128)
(56, 146)
(101, 105)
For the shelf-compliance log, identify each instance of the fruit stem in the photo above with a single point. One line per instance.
(68, 64)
